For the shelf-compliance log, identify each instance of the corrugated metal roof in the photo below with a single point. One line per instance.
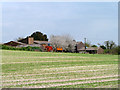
(92, 48)
(32, 45)
(20, 43)
(89, 48)
(41, 42)
(81, 49)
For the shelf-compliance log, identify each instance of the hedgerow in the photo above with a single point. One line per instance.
(22, 48)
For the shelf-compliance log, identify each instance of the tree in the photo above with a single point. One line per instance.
(98, 44)
(112, 44)
(19, 38)
(64, 41)
(111, 47)
(103, 47)
(93, 46)
(109, 44)
(39, 36)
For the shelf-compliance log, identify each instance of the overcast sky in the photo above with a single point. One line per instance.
(97, 22)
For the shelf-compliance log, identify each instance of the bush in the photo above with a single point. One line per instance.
(7, 47)
(115, 51)
(36, 48)
(22, 48)
(106, 51)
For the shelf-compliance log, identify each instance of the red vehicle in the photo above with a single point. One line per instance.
(49, 48)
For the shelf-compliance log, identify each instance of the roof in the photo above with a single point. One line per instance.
(41, 42)
(20, 42)
(33, 45)
(89, 48)
(80, 45)
(81, 49)
(79, 42)
(92, 48)
(15, 42)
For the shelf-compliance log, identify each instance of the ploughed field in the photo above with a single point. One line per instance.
(58, 70)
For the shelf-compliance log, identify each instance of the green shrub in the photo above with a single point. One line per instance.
(114, 51)
(7, 47)
(22, 48)
(36, 48)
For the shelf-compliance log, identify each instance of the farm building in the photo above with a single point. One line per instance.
(46, 46)
(91, 50)
(30, 42)
(27, 42)
(14, 43)
(80, 46)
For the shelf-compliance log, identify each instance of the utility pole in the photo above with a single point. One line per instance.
(85, 44)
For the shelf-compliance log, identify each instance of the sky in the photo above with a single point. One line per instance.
(96, 21)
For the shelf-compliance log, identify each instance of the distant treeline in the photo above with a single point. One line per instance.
(110, 47)
(115, 50)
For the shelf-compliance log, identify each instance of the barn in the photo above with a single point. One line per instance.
(14, 43)
(91, 50)
(46, 46)
(29, 41)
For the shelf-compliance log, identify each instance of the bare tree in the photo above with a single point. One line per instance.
(64, 41)
(109, 44)
(112, 44)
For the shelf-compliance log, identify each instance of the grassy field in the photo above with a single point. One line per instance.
(58, 70)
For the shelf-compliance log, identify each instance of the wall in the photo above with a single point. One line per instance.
(100, 51)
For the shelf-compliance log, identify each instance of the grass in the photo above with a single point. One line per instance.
(20, 67)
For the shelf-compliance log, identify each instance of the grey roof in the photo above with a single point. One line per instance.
(92, 48)
(81, 49)
(32, 45)
(20, 43)
(89, 48)
(41, 42)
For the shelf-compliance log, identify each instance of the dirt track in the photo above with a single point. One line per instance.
(49, 61)
(56, 73)
(64, 81)
(54, 85)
